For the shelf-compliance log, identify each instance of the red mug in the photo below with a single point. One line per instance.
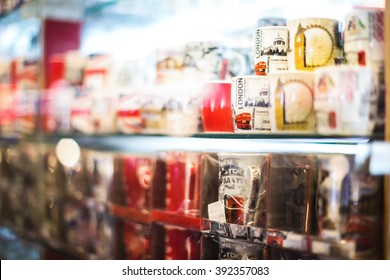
(216, 107)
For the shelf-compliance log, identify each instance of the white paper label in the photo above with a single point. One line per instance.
(216, 211)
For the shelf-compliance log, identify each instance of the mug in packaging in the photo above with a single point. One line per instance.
(292, 102)
(270, 49)
(216, 107)
(314, 42)
(291, 190)
(364, 45)
(334, 191)
(345, 101)
(349, 207)
(137, 174)
(250, 103)
(182, 183)
(239, 183)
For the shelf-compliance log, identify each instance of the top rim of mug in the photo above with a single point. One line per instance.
(378, 9)
(271, 27)
(216, 81)
(312, 18)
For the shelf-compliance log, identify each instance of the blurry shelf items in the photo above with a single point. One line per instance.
(255, 139)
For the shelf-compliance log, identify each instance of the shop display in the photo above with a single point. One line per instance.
(277, 80)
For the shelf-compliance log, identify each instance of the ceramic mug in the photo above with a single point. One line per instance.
(314, 42)
(250, 102)
(270, 49)
(345, 101)
(364, 45)
(204, 60)
(292, 102)
(216, 107)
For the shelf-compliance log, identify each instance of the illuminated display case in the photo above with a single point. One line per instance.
(107, 150)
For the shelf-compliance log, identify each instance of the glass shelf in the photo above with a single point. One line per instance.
(363, 147)
(216, 143)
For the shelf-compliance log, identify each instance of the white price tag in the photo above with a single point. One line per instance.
(216, 211)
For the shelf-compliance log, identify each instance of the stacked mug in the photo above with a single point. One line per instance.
(303, 83)
(279, 98)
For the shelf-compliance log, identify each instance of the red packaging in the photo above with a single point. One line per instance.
(137, 174)
(182, 244)
(183, 183)
(56, 71)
